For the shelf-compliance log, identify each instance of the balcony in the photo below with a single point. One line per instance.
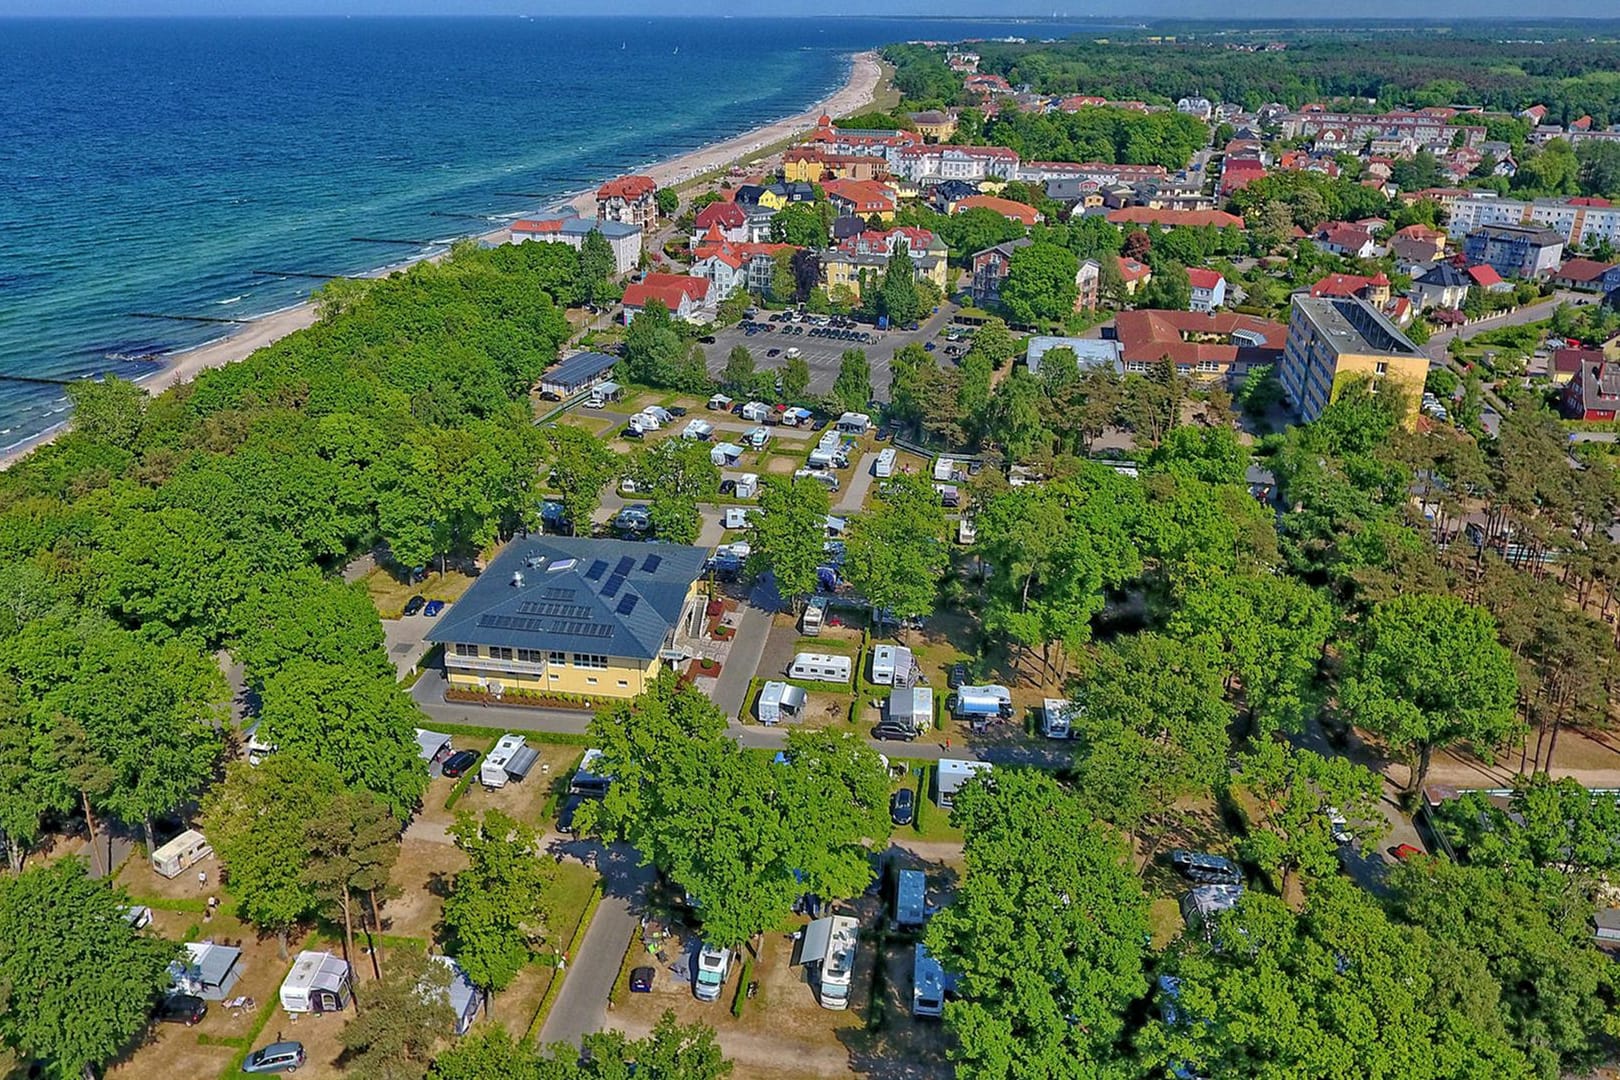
(532, 668)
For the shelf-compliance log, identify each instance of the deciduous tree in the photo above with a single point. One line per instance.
(896, 552)
(1299, 792)
(787, 535)
(407, 1015)
(497, 906)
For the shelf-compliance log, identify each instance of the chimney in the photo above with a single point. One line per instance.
(517, 580)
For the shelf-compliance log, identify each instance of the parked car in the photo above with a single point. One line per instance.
(902, 806)
(957, 677)
(458, 763)
(728, 487)
(641, 980)
(1405, 851)
(773, 352)
(631, 433)
(278, 1057)
(415, 604)
(433, 608)
(565, 816)
(1205, 869)
(184, 1009)
(888, 732)
(677, 410)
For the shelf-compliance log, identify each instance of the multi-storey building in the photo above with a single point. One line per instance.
(1515, 251)
(1581, 222)
(629, 200)
(1333, 338)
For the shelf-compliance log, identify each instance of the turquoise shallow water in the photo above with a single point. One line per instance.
(153, 165)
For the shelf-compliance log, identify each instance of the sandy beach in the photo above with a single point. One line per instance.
(858, 91)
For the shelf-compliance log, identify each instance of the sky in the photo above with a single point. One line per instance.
(1217, 9)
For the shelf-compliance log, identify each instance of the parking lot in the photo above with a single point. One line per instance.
(822, 354)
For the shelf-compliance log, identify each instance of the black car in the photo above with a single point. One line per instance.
(631, 433)
(641, 980)
(184, 1009)
(891, 732)
(728, 487)
(415, 604)
(902, 806)
(565, 816)
(958, 676)
(677, 410)
(458, 763)
(1205, 869)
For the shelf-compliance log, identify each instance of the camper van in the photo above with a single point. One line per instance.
(511, 759)
(180, 854)
(757, 437)
(820, 667)
(1055, 718)
(928, 984)
(829, 441)
(883, 467)
(737, 517)
(828, 945)
(815, 616)
(780, 701)
(829, 479)
(588, 780)
(910, 899)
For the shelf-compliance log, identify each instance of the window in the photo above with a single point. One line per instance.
(466, 650)
(500, 652)
(624, 682)
(588, 660)
(1381, 368)
(531, 656)
(558, 658)
(590, 680)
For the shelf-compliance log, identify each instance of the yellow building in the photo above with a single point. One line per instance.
(935, 126)
(586, 618)
(1332, 340)
(844, 268)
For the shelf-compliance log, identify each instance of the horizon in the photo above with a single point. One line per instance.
(1270, 12)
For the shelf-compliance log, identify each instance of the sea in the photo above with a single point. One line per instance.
(162, 180)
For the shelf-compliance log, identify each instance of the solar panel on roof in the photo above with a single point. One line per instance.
(557, 594)
(598, 568)
(627, 603)
(554, 610)
(511, 622)
(652, 563)
(626, 565)
(614, 584)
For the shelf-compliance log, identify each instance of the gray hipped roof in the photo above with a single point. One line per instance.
(1446, 276)
(602, 597)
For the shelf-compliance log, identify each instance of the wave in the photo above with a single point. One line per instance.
(231, 299)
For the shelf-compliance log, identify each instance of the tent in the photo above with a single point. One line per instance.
(209, 971)
(465, 998)
(433, 746)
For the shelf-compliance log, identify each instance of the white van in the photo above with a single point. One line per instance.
(821, 667)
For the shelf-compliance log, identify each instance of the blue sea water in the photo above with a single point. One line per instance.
(153, 165)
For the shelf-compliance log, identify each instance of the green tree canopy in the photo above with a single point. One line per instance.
(497, 907)
(1040, 285)
(787, 535)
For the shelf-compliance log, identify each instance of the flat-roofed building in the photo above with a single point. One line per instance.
(1332, 338)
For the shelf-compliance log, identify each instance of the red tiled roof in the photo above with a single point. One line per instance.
(1131, 270)
(1419, 231)
(1589, 200)
(1346, 284)
(1569, 361)
(725, 215)
(1154, 335)
(1142, 215)
(668, 289)
(548, 225)
(1484, 276)
(1199, 278)
(1349, 237)
(868, 196)
(1007, 208)
(1583, 269)
(628, 187)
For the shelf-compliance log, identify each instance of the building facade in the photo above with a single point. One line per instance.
(625, 240)
(1334, 338)
(1580, 222)
(1515, 251)
(629, 200)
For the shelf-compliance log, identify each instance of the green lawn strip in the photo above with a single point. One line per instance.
(739, 999)
(633, 951)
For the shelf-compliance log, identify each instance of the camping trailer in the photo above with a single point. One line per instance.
(511, 759)
(883, 467)
(891, 665)
(180, 854)
(209, 971)
(854, 423)
(820, 667)
(603, 393)
(736, 517)
(952, 774)
(757, 437)
(780, 701)
(829, 945)
(910, 899)
(747, 485)
(719, 403)
(815, 616)
(725, 454)
(698, 430)
(928, 984)
(465, 999)
(318, 983)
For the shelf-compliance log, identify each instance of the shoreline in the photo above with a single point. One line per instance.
(859, 89)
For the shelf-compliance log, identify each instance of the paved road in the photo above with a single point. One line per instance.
(1543, 309)
(731, 688)
(581, 1005)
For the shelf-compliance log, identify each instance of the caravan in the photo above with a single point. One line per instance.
(180, 854)
(756, 412)
(1055, 714)
(511, 759)
(980, 705)
(747, 485)
(891, 665)
(780, 701)
(854, 423)
(829, 479)
(829, 946)
(815, 616)
(951, 774)
(910, 712)
(698, 430)
(820, 667)
(757, 437)
(603, 393)
(883, 467)
(929, 984)
(910, 899)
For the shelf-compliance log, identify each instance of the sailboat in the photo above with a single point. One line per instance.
(677, 51)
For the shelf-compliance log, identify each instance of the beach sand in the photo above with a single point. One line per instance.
(858, 91)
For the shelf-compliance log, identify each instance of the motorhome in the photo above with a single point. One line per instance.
(747, 485)
(757, 437)
(511, 759)
(910, 899)
(820, 667)
(981, 704)
(698, 430)
(180, 854)
(713, 962)
(737, 517)
(951, 774)
(588, 780)
(829, 441)
(780, 701)
(815, 616)
(756, 412)
(929, 982)
(883, 467)
(1055, 714)
(828, 946)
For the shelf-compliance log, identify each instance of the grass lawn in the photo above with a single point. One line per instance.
(1164, 921)
(566, 905)
(933, 821)
(389, 594)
